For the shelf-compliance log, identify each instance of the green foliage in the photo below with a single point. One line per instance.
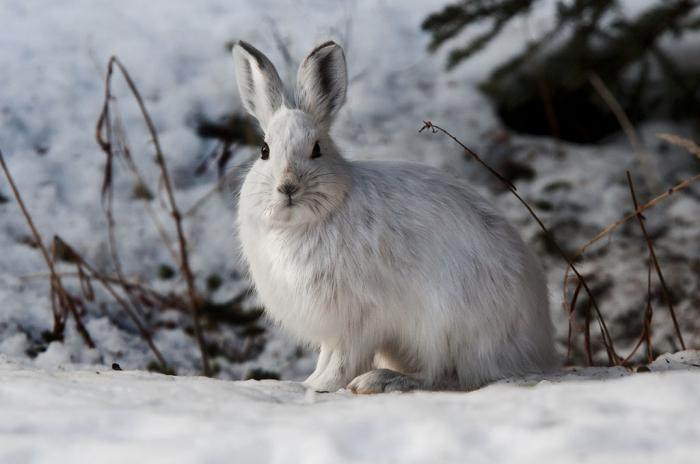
(545, 89)
(453, 18)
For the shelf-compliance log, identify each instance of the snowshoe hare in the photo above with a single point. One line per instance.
(402, 275)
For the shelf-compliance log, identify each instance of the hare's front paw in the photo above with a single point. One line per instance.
(324, 383)
(382, 381)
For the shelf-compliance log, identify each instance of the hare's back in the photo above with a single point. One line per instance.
(419, 195)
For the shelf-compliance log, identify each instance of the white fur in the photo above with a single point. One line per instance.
(384, 265)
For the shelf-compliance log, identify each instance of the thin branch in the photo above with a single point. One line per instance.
(645, 336)
(571, 321)
(613, 358)
(136, 172)
(129, 286)
(652, 256)
(195, 301)
(509, 185)
(220, 183)
(61, 295)
(648, 315)
(642, 154)
(145, 334)
(688, 144)
(587, 335)
(611, 227)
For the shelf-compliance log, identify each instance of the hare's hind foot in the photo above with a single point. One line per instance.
(383, 381)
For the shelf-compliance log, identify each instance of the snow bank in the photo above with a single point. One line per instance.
(591, 415)
(53, 56)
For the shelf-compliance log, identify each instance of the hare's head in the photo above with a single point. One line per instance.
(299, 176)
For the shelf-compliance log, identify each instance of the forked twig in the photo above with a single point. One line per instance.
(60, 296)
(686, 143)
(195, 301)
(92, 273)
(655, 261)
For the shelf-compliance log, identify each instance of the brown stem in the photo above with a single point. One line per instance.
(648, 317)
(145, 334)
(645, 336)
(571, 321)
(587, 335)
(618, 111)
(195, 301)
(62, 297)
(655, 261)
(607, 230)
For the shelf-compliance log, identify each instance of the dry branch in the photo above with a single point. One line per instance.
(103, 125)
(688, 144)
(607, 230)
(655, 261)
(645, 336)
(60, 298)
(616, 108)
(92, 273)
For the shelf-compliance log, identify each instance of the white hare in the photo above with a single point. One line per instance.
(402, 275)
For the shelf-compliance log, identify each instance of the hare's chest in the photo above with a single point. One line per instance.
(287, 273)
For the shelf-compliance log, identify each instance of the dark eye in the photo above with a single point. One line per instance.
(316, 151)
(265, 151)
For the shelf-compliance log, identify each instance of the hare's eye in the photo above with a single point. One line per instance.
(265, 151)
(316, 151)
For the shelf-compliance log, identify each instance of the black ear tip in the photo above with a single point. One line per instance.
(324, 45)
(252, 51)
(246, 46)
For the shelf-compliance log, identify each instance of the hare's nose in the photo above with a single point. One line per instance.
(288, 189)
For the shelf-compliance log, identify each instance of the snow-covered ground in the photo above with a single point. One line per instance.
(594, 415)
(53, 57)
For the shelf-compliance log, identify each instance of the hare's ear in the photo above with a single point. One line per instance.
(322, 82)
(259, 84)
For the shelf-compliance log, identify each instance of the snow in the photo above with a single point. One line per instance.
(58, 395)
(53, 58)
(591, 415)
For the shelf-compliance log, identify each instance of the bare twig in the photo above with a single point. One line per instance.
(195, 301)
(642, 154)
(141, 181)
(611, 227)
(613, 358)
(688, 144)
(645, 336)
(220, 183)
(509, 185)
(145, 334)
(141, 291)
(587, 335)
(60, 297)
(648, 315)
(655, 261)
(571, 321)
